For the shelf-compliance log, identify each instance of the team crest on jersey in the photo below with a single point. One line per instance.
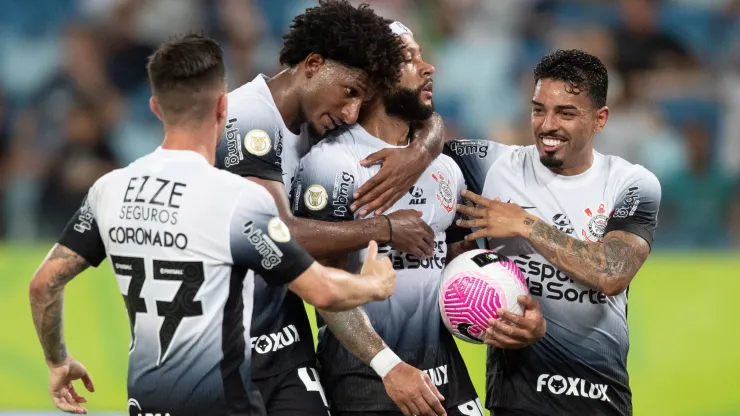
(315, 197)
(445, 195)
(596, 225)
(257, 142)
(277, 230)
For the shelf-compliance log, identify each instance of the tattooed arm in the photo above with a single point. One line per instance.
(47, 299)
(408, 387)
(608, 267)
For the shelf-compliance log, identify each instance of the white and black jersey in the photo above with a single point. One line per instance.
(257, 143)
(409, 321)
(580, 367)
(184, 240)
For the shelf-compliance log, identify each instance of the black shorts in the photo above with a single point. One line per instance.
(294, 392)
(471, 408)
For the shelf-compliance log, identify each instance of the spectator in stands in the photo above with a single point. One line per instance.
(83, 157)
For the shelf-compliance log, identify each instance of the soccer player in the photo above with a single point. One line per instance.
(184, 240)
(354, 360)
(580, 225)
(335, 54)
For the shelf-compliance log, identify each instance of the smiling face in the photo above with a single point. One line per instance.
(564, 122)
(411, 97)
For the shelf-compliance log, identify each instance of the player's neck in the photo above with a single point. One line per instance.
(191, 139)
(390, 129)
(581, 165)
(286, 94)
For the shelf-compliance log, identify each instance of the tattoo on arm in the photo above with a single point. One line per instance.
(608, 267)
(47, 299)
(353, 329)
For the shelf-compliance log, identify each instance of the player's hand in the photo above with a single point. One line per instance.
(411, 234)
(512, 331)
(413, 391)
(494, 218)
(62, 390)
(381, 270)
(400, 170)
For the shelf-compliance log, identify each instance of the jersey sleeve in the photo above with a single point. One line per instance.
(82, 235)
(475, 158)
(260, 240)
(252, 142)
(324, 184)
(636, 210)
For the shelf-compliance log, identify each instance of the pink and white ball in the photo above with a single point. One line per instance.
(474, 286)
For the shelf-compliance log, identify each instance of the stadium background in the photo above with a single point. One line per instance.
(73, 105)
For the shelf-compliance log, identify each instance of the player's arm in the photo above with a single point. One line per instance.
(609, 266)
(260, 241)
(400, 169)
(79, 247)
(323, 239)
(411, 389)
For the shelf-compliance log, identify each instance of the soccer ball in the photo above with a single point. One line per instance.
(474, 286)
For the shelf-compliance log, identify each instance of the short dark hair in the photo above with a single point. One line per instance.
(580, 70)
(183, 74)
(353, 36)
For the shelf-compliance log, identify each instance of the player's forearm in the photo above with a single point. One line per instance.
(430, 136)
(354, 330)
(345, 291)
(607, 267)
(46, 294)
(325, 239)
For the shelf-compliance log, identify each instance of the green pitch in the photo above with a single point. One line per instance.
(684, 358)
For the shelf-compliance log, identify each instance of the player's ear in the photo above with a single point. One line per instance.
(155, 108)
(602, 115)
(222, 106)
(313, 64)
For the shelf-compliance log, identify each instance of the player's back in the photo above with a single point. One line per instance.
(409, 321)
(165, 221)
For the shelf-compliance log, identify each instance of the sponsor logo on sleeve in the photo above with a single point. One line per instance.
(343, 182)
(572, 386)
(257, 142)
(271, 254)
(469, 147)
(85, 219)
(315, 197)
(233, 144)
(629, 205)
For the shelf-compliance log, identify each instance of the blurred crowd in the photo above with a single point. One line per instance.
(74, 98)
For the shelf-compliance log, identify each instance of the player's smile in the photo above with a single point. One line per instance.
(551, 144)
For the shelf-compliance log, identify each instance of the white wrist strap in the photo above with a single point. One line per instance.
(384, 361)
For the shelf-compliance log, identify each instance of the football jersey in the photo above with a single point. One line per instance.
(580, 366)
(409, 321)
(184, 240)
(257, 143)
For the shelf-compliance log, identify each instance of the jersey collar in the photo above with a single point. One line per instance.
(362, 134)
(180, 154)
(573, 180)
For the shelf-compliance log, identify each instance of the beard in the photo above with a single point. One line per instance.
(406, 103)
(549, 160)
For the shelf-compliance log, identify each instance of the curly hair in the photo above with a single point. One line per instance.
(354, 37)
(580, 70)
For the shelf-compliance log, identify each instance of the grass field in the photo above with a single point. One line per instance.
(684, 358)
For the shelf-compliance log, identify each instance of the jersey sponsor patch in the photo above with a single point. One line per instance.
(572, 386)
(315, 197)
(271, 254)
(278, 231)
(257, 142)
(233, 144)
(562, 223)
(596, 225)
(630, 203)
(417, 196)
